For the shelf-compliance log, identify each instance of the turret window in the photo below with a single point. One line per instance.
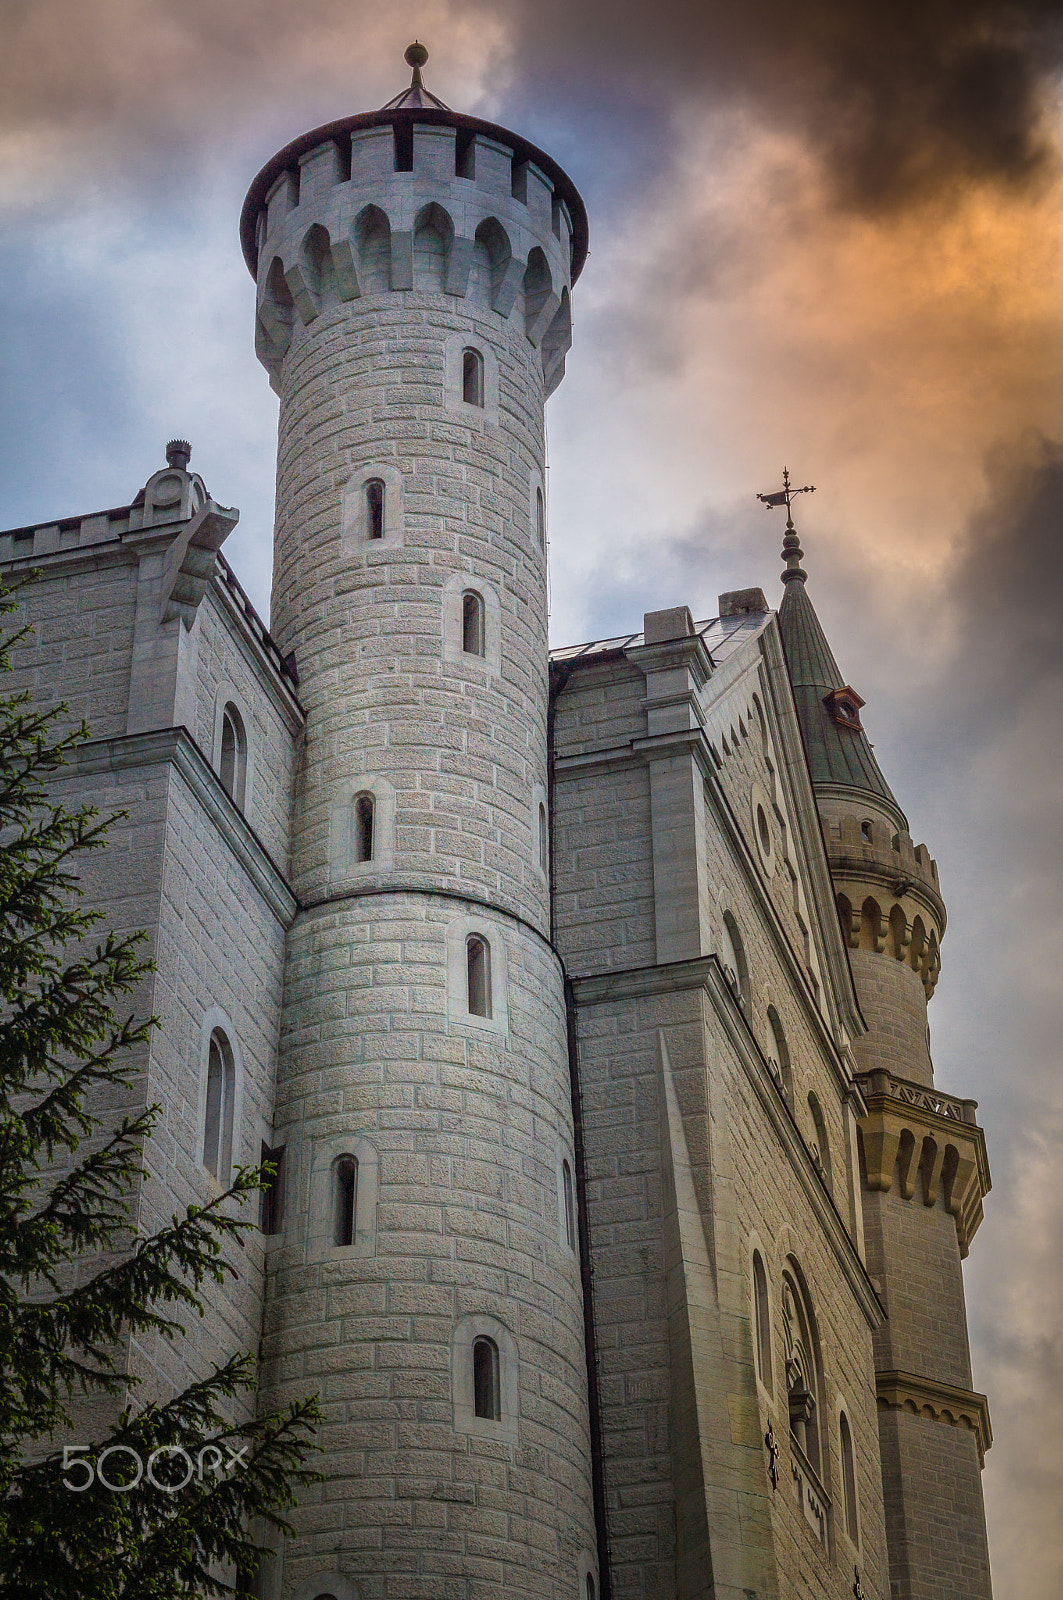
(271, 1203)
(540, 528)
(374, 508)
(478, 972)
(473, 628)
(570, 1205)
(544, 839)
(344, 1200)
(472, 377)
(486, 1384)
(364, 812)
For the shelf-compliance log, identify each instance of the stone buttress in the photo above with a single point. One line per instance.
(413, 269)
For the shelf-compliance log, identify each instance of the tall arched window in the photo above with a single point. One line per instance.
(221, 1097)
(478, 974)
(848, 1464)
(344, 1200)
(802, 1371)
(591, 1590)
(473, 630)
(540, 517)
(363, 827)
(233, 763)
(570, 1205)
(486, 1387)
(544, 839)
(820, 1146)
(472, 377)
(374, 508)
(733, 960)
(779, 1057)
(763, 1320)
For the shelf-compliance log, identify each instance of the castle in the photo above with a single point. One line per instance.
(579, 998)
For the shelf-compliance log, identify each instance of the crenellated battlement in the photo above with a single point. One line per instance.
(426, 200)
(888, 895)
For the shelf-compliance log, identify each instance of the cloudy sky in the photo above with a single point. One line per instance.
(824, 233)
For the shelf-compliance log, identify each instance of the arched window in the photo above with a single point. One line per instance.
(473, 630)
(570, 1205)
(591, 1590)
(221, 1097)
(363, 827)
(472, 377)
(820, 1147)
(233, 763)
(779, 1057)
(865, 832)
(478, 972)
(733, 960)
(540, 528)
(544, 839)
(848, 1464)
(763, 1320)
(271, 1201)
(374, 508)
(802, 1372)
(344, 1200)
(486, 1386)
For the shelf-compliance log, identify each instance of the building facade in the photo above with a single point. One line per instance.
(580, 999)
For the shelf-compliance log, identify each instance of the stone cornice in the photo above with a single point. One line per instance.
(705, 973)
(177, 748)
(940, 1402)
(944, 1148)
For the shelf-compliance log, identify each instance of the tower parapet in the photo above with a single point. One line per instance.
(334, 216)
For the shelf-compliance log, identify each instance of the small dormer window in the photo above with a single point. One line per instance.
(844, 706)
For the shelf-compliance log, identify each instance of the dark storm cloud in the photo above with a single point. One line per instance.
(902, 101)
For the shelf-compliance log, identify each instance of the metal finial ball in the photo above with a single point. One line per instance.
(416, 55)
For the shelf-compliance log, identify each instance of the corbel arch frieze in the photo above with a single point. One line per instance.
(925, 1143)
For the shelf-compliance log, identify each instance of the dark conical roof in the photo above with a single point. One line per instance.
(416, 97)
(838, 755)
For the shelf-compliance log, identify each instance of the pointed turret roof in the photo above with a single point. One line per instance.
(416, 97)
(839, 754)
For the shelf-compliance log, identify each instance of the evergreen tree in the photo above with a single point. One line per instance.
(76, 1283)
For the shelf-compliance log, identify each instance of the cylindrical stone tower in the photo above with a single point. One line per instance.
(413, 269)
(924, 1167)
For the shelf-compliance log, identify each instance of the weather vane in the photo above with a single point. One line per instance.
(786, 495)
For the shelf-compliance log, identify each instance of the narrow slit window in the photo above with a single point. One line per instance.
(478, 965)
(271, 1202)
(486, 1388)
(473, 631)
(233, 763)
(345, 1200)
(363, 827)
(591, 1590)
(374, 508)
(540, 518)
(852, 1526)
(218, 1124)
(472, 377)
(570, 1205)
(763, 1322)
(544, 839)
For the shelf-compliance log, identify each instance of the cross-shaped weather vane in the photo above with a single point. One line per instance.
(786, 495)
(791, 545)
